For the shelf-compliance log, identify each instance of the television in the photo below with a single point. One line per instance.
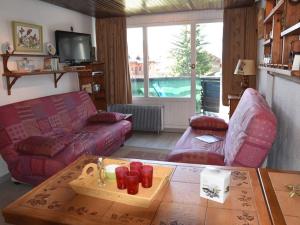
(73, 48)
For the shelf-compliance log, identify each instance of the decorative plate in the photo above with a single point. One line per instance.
(51, 49)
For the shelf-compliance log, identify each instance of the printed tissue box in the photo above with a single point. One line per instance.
(214, 184)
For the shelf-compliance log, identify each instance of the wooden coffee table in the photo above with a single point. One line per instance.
(283, 209)
(179, 203)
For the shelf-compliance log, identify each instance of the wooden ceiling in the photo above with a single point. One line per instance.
(112, 8)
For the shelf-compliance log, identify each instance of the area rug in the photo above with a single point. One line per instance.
(141, 153)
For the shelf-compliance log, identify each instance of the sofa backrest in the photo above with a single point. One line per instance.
(251, 131)
(46, 116)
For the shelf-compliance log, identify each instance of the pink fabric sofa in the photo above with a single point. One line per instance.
(63, 117)
(247, 142)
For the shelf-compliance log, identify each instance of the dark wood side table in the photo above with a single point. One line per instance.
(282, 208)
(233, 102)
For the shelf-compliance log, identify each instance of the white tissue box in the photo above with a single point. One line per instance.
(214, 184)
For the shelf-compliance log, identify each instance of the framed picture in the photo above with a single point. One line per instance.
(27, 37)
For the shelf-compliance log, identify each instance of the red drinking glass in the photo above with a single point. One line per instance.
(147, 176)
(132, 182)
(121, 172)
(137, 166)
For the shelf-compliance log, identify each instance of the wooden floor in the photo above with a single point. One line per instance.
(163, 140)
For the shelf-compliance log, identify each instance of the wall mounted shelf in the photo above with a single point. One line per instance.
(277, 9)
(282, 26)
(13, 76)
(282, 73)
(276, 70)
(293, 30)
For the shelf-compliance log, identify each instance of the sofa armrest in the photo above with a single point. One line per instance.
(10, 156)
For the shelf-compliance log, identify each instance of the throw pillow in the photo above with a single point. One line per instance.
(208, 123)
(106, 117)
(39, 145)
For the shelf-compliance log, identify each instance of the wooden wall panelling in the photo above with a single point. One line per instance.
(268, 29)
(233, 50)
(269, 6)
(292, 16)
(251, 40)
(113, 8)
(276, 40)
(239, 42)
(286, 47)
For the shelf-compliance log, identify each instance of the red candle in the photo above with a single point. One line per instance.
(132, 182)
(137, 166)
(147, 176)
(121, 171)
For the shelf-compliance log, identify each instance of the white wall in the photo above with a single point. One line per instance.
(51, 18)
(177, 110)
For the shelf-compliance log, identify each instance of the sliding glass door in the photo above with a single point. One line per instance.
(181, 61)
(169, 59)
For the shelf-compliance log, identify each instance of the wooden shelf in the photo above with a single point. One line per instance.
(284, 74)
(28, 55)
(268, 42)
(293, 30)
(21, 74)
(277, 9)
(276, 70)
(12, 77)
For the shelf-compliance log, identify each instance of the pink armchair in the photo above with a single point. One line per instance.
(247, 142)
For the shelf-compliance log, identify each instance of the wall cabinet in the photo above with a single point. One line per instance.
(281, 32)
(92, 80)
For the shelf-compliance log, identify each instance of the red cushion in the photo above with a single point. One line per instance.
(39, 145)
(106, 117)
(208, 123)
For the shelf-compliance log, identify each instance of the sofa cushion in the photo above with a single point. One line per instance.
(208, 123)
(189, 149)
(39, 145)
(106, 117)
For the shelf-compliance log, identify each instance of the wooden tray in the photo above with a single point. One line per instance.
(87, 184)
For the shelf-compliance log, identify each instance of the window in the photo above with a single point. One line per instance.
(135, 59)
(171, 51)
(169, 59)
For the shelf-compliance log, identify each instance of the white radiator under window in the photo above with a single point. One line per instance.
(145, 118)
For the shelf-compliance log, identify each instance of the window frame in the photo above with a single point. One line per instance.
(170, 19)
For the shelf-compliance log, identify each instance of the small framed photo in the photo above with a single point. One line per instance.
(27, 37)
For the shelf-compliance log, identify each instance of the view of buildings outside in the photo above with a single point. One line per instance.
(169, 59)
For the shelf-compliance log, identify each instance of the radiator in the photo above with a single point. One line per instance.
(145, 118)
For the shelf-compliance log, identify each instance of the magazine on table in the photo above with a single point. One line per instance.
(209, 138)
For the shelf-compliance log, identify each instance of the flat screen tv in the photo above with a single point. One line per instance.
(73, 48)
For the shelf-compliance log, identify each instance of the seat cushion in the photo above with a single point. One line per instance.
(106, 117)
(191, 150)
(39, 145)
(207, 123)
